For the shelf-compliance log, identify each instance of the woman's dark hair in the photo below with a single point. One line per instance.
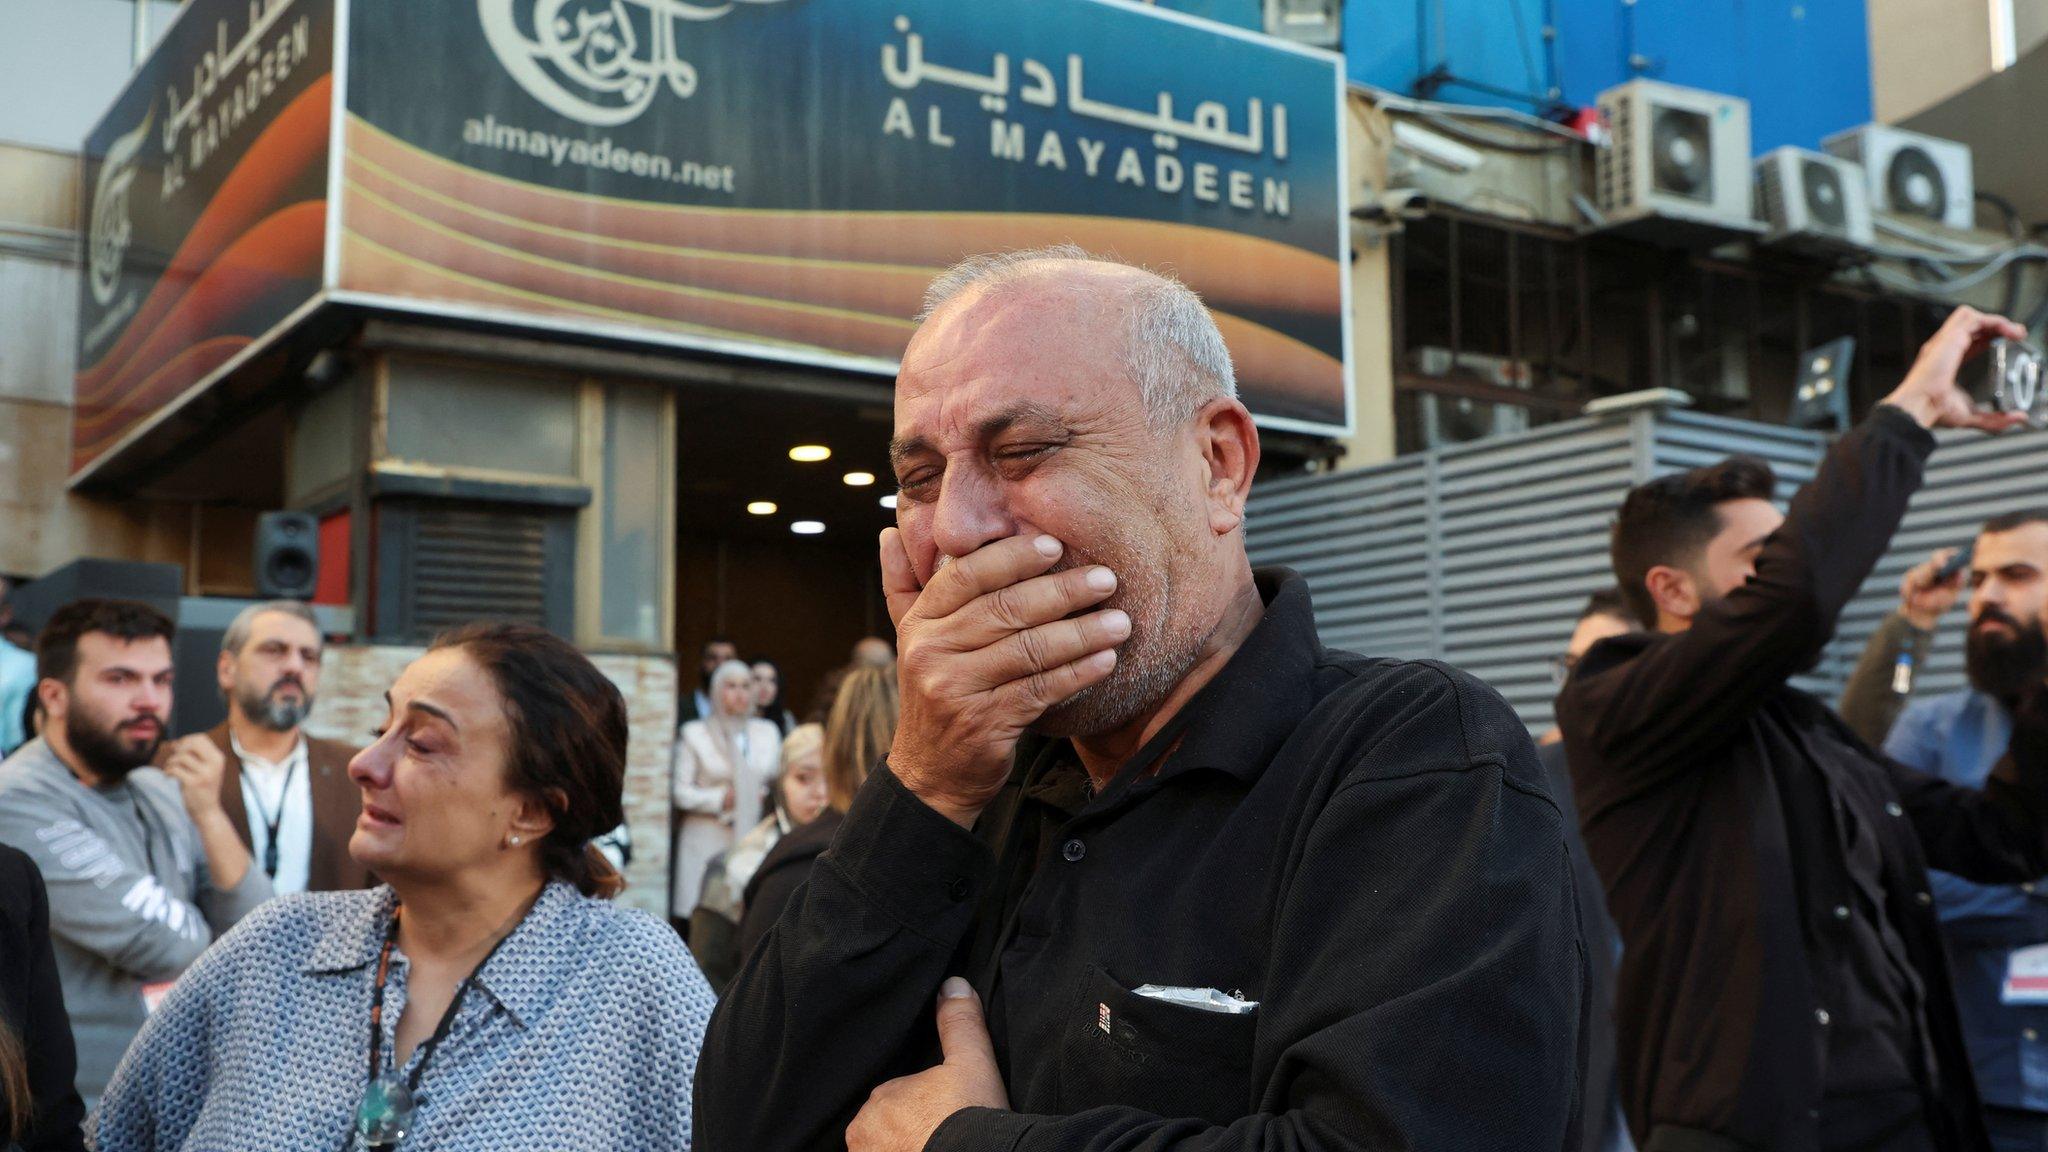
(774, 709)
(17, 1102)
(124, 620)
(568, 744)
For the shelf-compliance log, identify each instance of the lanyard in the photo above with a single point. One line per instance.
(412, 1080)
(271, 824)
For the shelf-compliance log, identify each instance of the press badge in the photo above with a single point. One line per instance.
(2026, 976)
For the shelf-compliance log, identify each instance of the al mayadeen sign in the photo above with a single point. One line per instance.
(773, 178)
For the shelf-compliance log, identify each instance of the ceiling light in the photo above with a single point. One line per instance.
(810, 453)
(762, 508)
(889, 501)
(859, 479)
(807, 527)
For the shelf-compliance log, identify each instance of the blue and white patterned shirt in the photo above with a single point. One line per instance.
(580, 1034)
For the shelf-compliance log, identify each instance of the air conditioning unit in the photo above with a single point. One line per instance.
(1316, 22)
(1448, 420)
(1457, 419)
(1677, 171)
(1910, 174)
(1813, 202)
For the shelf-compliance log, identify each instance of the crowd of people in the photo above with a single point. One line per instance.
(1108, 850)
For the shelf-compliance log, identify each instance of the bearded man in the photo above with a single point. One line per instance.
(143, 867)
(1989, 929)
(1178, 876)
(288, 794)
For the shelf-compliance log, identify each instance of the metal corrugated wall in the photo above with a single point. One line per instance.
(1362, 539)
(1524, 530)
(1482, 554)
(1478, 554)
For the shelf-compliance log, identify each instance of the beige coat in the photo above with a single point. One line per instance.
(701, 776)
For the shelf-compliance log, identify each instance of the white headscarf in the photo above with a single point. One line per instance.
(726, 730)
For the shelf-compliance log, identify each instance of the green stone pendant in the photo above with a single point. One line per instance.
(385, 1113)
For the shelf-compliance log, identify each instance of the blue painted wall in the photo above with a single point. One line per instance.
(1242, 13)
(1804, 65)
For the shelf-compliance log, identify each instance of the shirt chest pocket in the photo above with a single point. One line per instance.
(1168, 1059)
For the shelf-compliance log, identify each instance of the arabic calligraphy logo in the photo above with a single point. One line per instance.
(598, 61)
(110, 229)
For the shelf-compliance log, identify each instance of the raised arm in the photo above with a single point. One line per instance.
(1877, 690)
(1687, 694)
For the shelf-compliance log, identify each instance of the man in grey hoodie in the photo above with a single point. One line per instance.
(143, 867)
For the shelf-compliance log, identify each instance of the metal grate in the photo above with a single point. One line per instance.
(448, 563)
(1482, 554)
(471, 565)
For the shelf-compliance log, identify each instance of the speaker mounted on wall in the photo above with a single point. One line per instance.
(287, 562)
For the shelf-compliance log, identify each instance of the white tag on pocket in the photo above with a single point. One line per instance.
(1206, 999)
(2026, 976)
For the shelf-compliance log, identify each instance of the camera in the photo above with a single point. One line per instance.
(2015, 378)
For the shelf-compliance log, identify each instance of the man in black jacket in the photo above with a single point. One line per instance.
(1206, 884)
(1782, 985)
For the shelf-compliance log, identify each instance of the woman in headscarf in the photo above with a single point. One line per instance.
(800, 794)
(722, 767)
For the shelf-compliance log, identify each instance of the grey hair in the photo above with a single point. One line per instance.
(1173, 350)
(237, 636)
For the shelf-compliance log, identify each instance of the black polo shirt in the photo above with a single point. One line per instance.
(1364, 849)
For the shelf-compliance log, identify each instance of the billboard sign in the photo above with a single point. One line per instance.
(784, 177)
(205, 205)
(777, 179)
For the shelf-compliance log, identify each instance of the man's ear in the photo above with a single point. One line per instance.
(224, 674)
(1229, 444)
(1675, 591)
(54, 697)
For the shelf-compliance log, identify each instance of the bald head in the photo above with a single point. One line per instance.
(1048, 392)
(1170, 348)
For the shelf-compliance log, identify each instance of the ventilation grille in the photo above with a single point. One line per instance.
(1615, 164)
(1770, 195)
(475, 565)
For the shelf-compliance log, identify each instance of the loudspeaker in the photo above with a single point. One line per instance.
(287, 555)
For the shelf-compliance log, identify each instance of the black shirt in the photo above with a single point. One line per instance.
(782, 872)
(1881, 1072)
(1603, 1124)
(1364, 848)
(32, 1004)
(1707, 790)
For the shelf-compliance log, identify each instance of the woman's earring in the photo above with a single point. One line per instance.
(515, 841)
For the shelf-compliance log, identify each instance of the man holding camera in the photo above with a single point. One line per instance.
(1782, 984)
